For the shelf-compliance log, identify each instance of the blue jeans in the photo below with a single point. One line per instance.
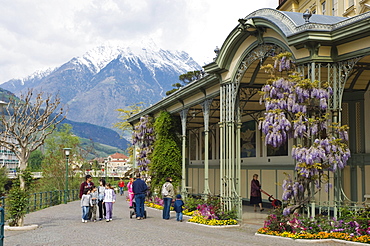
(121, 191)
(139, 200)
(85, 212)
(179, 216)
(166, 208)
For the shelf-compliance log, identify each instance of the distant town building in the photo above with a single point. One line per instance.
(117, 162)
(8, 159)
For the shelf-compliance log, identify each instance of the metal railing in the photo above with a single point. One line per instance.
(2, 224)
(41, 200)
(331, 208)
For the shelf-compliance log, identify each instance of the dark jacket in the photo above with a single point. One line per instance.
(139, 187)
(255, 188)
(178, 205)
(85, 185)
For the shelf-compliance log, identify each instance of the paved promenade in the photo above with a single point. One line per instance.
(61, 225)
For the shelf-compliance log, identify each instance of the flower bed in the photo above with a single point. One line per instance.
(351, 226)
(212, 222)
(204, 214)
(153, 205)
(319, 235)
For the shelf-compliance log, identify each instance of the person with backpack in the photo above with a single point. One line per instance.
(167, 195)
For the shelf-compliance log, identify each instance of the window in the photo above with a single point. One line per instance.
(279, 151)
(248, 139)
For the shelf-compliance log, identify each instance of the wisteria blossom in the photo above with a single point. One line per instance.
(143, 138)
(298, 108)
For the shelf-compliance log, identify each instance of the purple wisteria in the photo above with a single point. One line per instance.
(298, 108)
(143, 138)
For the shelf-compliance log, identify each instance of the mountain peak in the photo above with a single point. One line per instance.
(111, 76)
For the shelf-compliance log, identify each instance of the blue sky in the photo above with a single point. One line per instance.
(39, 34)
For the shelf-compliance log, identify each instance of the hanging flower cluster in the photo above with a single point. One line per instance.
(298, 108)
(143, 137)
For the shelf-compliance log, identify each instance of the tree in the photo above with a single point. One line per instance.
(27, 123)
(186, 79)
(166, 157)
(18, 199)
(177, 87)
(35, 160)
(124, 114)
(191, 76)
(96, 166)
(54, 163)
(3, 179)
(298, 108)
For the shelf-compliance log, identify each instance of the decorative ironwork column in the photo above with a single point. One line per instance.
(231, 199)
(341, 71)
(337, 75)
(230, 127)
(183, 115)
(206, 105)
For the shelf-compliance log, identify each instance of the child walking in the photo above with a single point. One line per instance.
(94, 201)
(178, 207)
(85, 204)
(109, 199)
(130, 191)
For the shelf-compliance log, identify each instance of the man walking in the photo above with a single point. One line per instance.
(87, 184)
(139, 188)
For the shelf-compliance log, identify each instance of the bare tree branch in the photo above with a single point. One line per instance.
(27, 123)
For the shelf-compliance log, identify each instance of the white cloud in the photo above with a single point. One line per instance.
(39, 34)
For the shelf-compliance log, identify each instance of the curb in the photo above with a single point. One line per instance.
(311, 240)
(20, 228)
(215, 226)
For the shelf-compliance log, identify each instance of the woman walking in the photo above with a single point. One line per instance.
(101, 192)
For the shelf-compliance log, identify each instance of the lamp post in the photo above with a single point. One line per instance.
(105, 168)
(67, 151)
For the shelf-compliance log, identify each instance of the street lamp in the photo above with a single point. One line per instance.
(67, 151)
(105, 168)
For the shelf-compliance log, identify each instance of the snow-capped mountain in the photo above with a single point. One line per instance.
(106, 78)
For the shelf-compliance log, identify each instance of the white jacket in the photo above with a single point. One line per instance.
(86, 200)
(109, 195)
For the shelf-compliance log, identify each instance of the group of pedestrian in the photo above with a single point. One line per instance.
(92, 198)
(103, 197)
